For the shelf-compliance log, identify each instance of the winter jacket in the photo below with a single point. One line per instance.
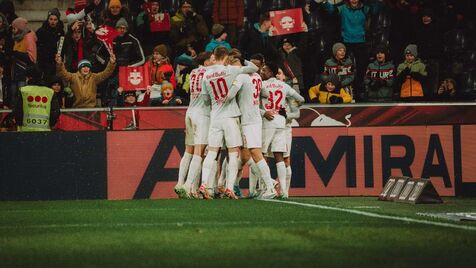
(411, 71)
(292, 63)
(214, 43)
(316, 94)
(47, 45)
(24, 55)
(229, 12)
(127, 49)
(353, 21)
(344, 69)
(158, 72)
(188, 30)
(84, 87)
(379, 80)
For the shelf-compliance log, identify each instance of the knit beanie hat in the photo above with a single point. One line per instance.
(162, 50)
(20, 23)
(54, 12)
(130, 93)
(217, 30)
(337, 46)
(122, 23)
(115, 3)
(334, 79)
(84, 63)
(381, 49)
(411, 49)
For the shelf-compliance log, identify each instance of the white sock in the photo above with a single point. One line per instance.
(281, 168)
(289, 173)
(239, 175)
(184, 166)
(194, 172)
(212, 183)
(253, 178)
(208, 166)
(233, 162)
(265, 173)
(223, 171)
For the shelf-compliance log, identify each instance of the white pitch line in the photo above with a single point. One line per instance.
(375, 215)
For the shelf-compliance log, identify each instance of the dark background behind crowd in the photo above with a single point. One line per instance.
(440, 33)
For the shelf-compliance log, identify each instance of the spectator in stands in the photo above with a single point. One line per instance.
(36, 117)
(65, 99)
(48, 36)
(447, 91)
(129, 98)
(329, 91)
(6, 42)
(188, 27)
(219, 38)
(169, 98)
(160, 68)
(128, 51)
(411, 75)
(354, 15)
(257, 40)
(78, 44)
(341, 65)
(379, 77)
(429, 39)
(114, 12)
(7, 8)
(24, 54)
(230, 14)
(150, 35)
(292, 65)
(84, 83)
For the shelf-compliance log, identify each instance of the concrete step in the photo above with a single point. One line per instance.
(36, 11)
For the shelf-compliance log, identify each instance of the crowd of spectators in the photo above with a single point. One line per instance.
(352, 51)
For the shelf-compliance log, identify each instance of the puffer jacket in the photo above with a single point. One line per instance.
(379, 80)
(84, 87)
(323, 96)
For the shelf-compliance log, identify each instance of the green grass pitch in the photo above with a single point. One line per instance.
(232, 233)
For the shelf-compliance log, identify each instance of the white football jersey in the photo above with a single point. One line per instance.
(197, 105)
(248, 97)
(276, 91)
(217, 82)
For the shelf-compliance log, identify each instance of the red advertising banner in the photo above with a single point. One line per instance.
(134, 78)
(287, 21)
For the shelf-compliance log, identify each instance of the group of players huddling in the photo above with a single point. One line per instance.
(242, 107)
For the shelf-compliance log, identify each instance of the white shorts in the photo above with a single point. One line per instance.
(289, 140)
(274, 140)
(252, 135)
(227, 129)
(196, 129)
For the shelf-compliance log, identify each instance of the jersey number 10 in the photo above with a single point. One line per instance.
(220, 89)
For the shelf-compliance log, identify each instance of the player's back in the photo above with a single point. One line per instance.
(217, 82)
(197, 104)
(248, 98)
(276, 92)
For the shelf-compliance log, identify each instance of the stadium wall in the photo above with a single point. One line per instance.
(347, 150)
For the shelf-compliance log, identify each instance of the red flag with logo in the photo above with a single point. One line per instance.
(134, 78)
(106, 34)
(287, 21)
(159, 22)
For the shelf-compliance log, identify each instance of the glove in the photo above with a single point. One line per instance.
(406, 71)
(335, 99)
(315, 100)
(282, 112)
(416, 76)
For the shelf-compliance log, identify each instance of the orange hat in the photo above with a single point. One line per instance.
(115, 3)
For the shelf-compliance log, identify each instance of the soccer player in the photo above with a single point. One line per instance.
(224, 118)
(251, 123)
(197, 122)
(274, 93)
